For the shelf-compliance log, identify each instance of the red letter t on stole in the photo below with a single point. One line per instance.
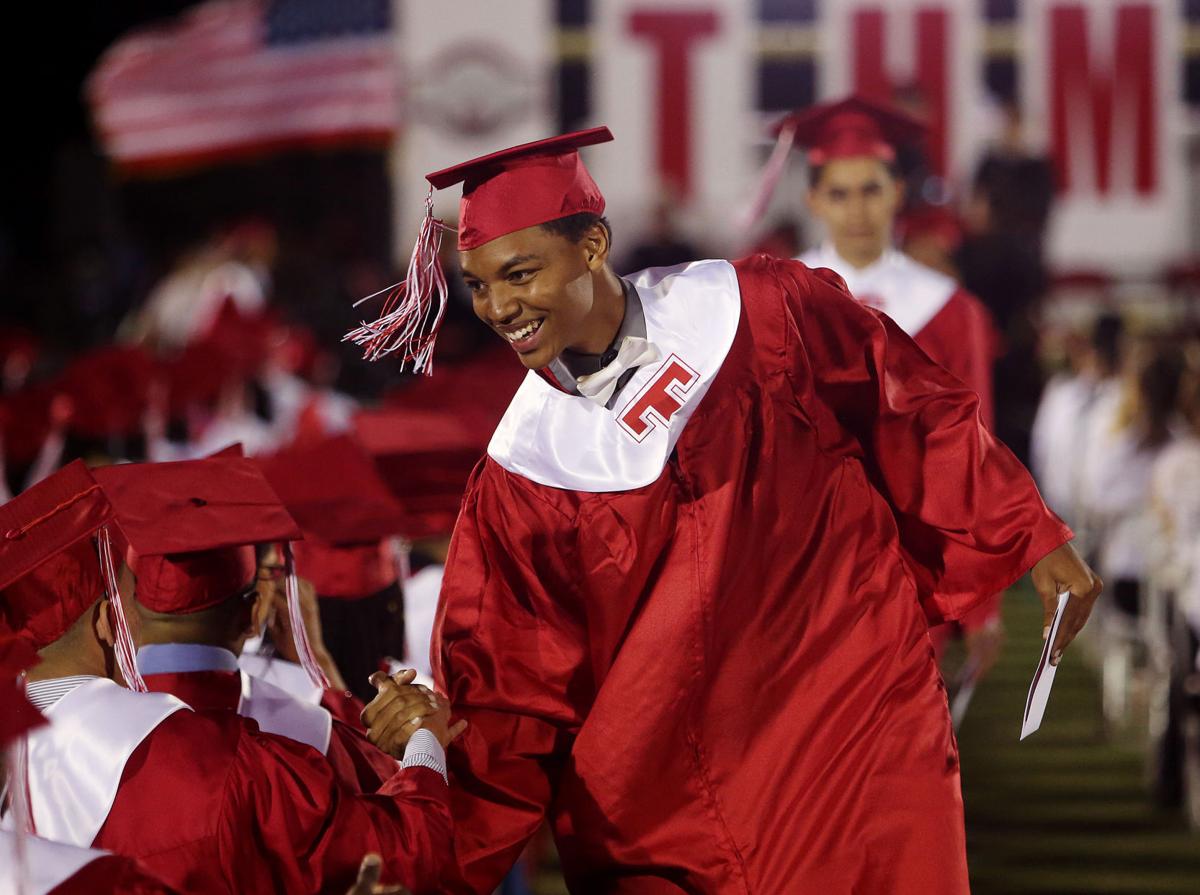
(674, 35)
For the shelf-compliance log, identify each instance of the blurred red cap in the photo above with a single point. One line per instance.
(49, 570)
(851, 128)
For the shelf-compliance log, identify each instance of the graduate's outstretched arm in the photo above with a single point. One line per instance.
(313, 829)
(510, 655)
(970, 517)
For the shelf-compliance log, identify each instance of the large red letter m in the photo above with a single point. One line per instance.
(1121, 103)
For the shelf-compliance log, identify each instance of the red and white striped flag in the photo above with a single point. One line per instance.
(237, 76)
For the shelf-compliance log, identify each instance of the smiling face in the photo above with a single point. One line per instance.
(538, 291)
(857, 200)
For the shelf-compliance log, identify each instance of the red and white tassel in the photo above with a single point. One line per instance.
(20, 815)
(768, 180)
(291, 586)
(125, 648)
(406, 325)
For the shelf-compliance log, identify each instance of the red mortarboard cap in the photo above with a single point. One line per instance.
(190, 526)
(850, 128)
(49, 570)
(346, 512)
(503, 192)
(426, 458)
(109, 390)
(523, 186)
(334, 493)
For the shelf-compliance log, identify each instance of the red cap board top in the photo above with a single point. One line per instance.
(850, 128)
(503, 192)
(49, 570)
(332, 490)
(189, 527)
(523, 186)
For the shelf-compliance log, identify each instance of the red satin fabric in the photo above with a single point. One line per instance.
(722, 681)
(357, 763)
(209, 804)
(112, 874)
(962, 337)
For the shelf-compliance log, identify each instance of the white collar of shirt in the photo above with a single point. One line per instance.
(182, 658)
(44, 694)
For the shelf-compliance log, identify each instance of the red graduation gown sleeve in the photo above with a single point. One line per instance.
(209, 804)
(112, 874)
(970, 517)
(508, 596)
(355, 761)
(962, 338)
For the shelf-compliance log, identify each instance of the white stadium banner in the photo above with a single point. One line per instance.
(475, 77)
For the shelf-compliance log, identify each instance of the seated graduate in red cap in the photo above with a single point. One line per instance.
(855, 191)
(30, 864)
(205, 801)
(197, 600)
(686, 604)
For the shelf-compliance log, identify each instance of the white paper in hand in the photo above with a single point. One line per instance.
(1043, 678)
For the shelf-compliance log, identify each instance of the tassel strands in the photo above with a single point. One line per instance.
(407, 325)
(125, 649)
(296, 617)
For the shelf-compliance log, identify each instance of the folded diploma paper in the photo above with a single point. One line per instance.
(1043, 678)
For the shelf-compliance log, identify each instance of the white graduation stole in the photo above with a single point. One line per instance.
(76, 761)
(566, 441)
(47, 864)
(281, 713)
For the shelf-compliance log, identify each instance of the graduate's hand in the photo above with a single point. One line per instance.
(439, 723)
(1064, 570)
(369, 872)
(397, 711)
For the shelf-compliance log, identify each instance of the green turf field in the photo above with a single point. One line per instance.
(1065, 812)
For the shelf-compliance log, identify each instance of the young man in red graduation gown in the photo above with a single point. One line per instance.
(197, 607)
(206, 801)
(855, 192)
(33, 865)
(686, 605)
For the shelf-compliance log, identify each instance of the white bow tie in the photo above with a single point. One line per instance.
(634, 352)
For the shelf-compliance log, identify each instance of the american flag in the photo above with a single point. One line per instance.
(236, 76)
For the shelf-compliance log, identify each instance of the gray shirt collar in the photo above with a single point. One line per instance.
(571, 365)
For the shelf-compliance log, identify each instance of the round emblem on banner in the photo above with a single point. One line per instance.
(472, 89)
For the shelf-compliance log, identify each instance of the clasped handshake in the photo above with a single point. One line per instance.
(401, 708)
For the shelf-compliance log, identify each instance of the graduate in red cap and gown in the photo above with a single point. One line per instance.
(198, 601)
(687, 601)
(205, 801)
(855, 191)
(33, 865)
